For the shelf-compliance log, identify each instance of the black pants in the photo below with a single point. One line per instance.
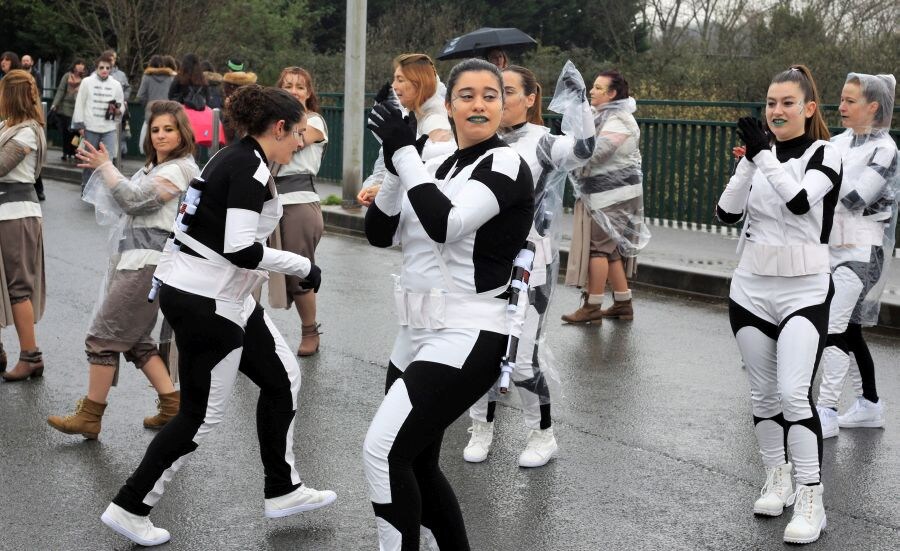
(403, 445)
(66, 134)
(212, 349)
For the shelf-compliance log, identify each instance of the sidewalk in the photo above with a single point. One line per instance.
(685, 260)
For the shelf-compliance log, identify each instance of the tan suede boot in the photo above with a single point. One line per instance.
(587, 313)
(621, 309)
(85, 421)
(30, 364)
(167, 404)
(309, 339)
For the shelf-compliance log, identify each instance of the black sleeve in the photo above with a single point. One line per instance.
(380, 228)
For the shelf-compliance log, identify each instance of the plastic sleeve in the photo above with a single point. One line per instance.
(144, 196)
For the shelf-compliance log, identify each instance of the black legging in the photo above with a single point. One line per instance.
(856, 344)
(435, 395)
(66, 134)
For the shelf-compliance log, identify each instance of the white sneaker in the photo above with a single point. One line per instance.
(540, 448)
(829, 419)
(134, 527)
(775, 492)
(809, 515)
(480, 443)
(302, 499)
(863, 414)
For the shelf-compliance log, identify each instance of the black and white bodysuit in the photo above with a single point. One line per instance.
(220, 329)
(780, 292)
(460, 223)
(549, 158)
(862, 220)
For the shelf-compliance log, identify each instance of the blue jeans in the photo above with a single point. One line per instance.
(95, 139)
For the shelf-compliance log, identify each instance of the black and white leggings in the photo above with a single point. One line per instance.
(853, 279)
(528, 377)
(212, 349)
(448, 371)
(780, 324)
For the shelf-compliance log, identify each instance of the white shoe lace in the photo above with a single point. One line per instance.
(772, 480)
(802, 499)
(479, 434)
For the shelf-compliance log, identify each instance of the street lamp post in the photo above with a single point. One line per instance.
(354, 102)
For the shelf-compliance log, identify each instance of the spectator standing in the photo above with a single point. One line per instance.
(9, 61)
(122, 78)
(64, 105)
(97, 108)
(231, 82)
(22, 153)
(214, 80)
(155, 84)
(190, 87)
(28, 65)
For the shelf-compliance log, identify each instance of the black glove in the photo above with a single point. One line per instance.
(383, 93)
(389, 125)
(313, 279)
(573, 85)
(754, 135)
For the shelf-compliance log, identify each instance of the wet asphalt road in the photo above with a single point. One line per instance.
(653, 420)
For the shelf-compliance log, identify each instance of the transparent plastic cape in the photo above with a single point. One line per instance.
(880, 88)
(866, 213)
(550, 159)
(610, 186)
(121, 204)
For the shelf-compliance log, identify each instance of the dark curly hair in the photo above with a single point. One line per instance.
(254, 108)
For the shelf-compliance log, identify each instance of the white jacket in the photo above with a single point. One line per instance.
(93, 99)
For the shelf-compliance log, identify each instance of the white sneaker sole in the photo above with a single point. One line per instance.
(767, 512)
(121, 530)
(831, 434)
(862, 425)
(280, 513)
(475, 458)
(810, 539)
(533, 464)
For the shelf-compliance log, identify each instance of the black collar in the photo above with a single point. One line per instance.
(250, 141)
(465, 156)
(793, 148)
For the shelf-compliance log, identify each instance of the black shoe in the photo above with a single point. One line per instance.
(65, 158)
(41, 197)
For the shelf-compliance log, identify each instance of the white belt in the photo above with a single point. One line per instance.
(785, 260)
(438, 309)
(213, 277)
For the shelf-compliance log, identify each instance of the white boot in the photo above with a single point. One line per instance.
(540, 448)
(809, 515)
(134, 527)
(300, 500)
(863, 414)
(480, 443)
(829, 419)
(776, 491)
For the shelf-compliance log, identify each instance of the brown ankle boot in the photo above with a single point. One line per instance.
(30, 364)
(309, 339)
(167, 404)
(621, 309)
(587, 313)
(85, 421)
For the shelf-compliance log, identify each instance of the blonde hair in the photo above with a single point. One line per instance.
(418, 69)
(19, 99)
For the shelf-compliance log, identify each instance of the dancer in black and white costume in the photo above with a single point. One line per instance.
(864, 224)
(460, 223)
(781, 290)
(219, 328)
(550, 158)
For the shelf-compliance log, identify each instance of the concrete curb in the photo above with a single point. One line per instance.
(653, 274)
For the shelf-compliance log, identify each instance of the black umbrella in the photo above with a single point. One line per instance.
(477, 43)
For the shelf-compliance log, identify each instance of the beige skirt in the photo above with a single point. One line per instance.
(22, 275)
(299, 231)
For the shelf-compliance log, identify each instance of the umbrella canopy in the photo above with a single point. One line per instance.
(477, 43)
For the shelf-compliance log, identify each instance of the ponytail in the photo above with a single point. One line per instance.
(530, 85)
(816, 128)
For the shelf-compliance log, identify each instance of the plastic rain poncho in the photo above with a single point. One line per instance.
(611, 185)
(550, 159)
(866, 213)
(139, 212)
